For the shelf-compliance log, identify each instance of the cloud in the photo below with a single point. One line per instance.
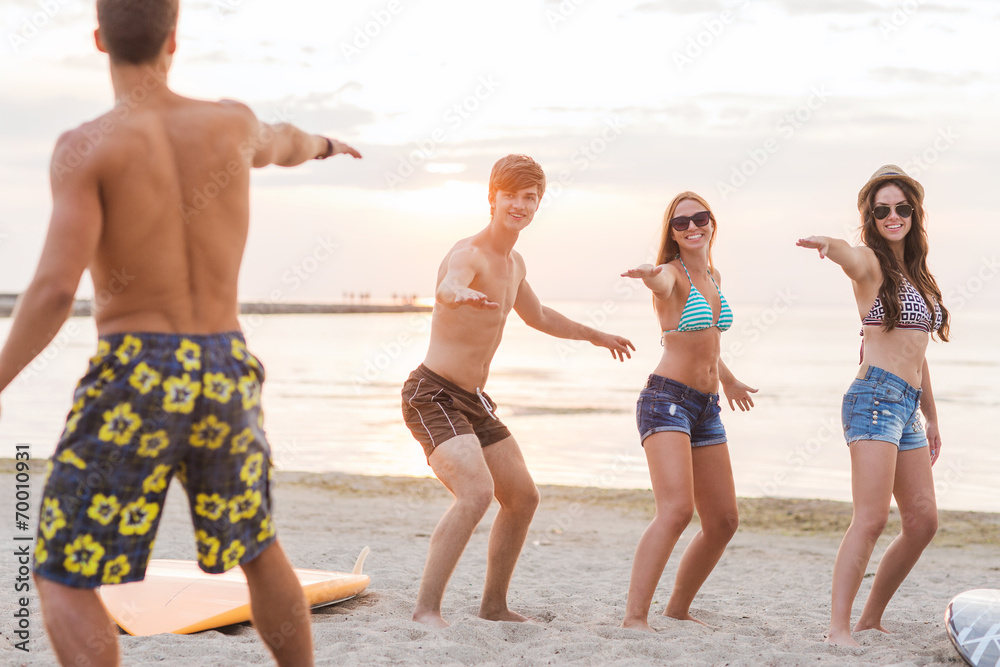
(685, 6)
(794, 7)
(926, 77)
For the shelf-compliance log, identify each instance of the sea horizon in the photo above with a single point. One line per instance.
(332, 400)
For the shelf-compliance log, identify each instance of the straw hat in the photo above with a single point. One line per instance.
(889, 172)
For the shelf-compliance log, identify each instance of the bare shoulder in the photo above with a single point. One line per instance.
(237, 109)
(235, 105)
(866, 252)
(519, 264)
(717, 275)
(233, 114)
(78, 150)
(674, 266)
(73, 138)
(463, 253)
(869, 260)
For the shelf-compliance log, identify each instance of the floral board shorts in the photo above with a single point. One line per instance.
(152, 406)
(667, 405)
(883, 406)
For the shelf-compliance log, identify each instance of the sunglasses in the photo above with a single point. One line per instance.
(682, 222)
(881, 212)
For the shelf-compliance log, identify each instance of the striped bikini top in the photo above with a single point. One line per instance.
(914, 315)
(697, 313)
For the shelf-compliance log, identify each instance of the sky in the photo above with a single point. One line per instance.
(776, 111)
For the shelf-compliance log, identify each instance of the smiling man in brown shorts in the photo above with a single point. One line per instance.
(153, 198)
(473, 454)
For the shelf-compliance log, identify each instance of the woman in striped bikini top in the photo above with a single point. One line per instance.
(697, 313)
(678, 415)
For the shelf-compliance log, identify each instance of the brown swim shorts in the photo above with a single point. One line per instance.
(436, 410)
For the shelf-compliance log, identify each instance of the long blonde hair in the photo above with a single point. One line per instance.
(668, 244)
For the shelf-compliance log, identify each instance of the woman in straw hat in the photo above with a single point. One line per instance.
(900, 307)
(678, 414)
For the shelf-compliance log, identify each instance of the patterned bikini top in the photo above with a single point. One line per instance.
(697, 313)
(915, 314)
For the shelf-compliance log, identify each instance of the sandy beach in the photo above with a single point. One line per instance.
(768, 598)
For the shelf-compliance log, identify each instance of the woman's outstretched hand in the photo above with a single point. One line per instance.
(643, 271)
(739, 393)
(820, 243)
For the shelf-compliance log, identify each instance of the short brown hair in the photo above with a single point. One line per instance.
(134, 31)
(516, 172)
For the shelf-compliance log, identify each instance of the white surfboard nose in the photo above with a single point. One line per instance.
(360, 562)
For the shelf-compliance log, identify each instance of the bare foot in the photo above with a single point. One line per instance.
(430, 618)
(841, 638)
(637, 624)
(504, 615)
(687, 617)
(862, 626)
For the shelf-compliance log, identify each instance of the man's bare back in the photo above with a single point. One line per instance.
(153, 198)
(170, 182)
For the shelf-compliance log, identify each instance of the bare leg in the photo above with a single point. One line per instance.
(518, 498)
(873, 465)
(914, 492)
(668, 454)
(279, 608)
(78, 626)
(460, 466)
(715, 500)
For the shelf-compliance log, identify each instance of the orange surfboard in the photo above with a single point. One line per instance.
(177, 597)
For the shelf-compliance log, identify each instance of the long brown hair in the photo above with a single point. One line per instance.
(668, 244)
(914, 257)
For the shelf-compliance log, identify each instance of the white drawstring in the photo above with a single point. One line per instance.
(486, 403)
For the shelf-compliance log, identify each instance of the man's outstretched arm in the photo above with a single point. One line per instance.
(453, 291)
(549, 321)
(74, 232)
(285, 145)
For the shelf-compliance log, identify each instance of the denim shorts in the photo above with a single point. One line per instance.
(883, 406)
(666, 405)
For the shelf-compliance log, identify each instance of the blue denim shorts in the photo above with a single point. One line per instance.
(666, 405)
(883, 406)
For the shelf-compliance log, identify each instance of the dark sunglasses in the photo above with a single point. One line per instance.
(700, 219)
(902, 210)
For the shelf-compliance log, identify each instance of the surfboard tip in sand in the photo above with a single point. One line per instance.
(177, 597)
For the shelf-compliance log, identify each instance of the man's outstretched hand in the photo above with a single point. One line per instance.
(340, 148)
(470, 297)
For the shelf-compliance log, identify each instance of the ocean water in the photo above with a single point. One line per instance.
(332, 402)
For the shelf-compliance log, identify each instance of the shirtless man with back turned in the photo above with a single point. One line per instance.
(469, 449)
(172, 388)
